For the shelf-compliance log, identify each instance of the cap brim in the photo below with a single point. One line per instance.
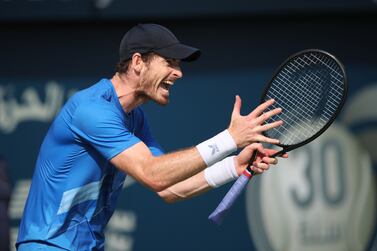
(180, 51)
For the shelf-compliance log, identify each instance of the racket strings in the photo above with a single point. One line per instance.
(332, 65)
(309, 89)
(300, 98)
(291, 118)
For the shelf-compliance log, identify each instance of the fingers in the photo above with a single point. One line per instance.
(285, 155)
(256, 146)
(271, 161)
(263, 161)
(269, 126)
(264, 165)
(265, 116)
(260, 127)
(262, 138)
(248, 129)
(260, 167)
(259, 110)
(237, 106)
(270, 152)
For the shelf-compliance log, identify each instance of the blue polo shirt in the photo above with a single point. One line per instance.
(75, 187)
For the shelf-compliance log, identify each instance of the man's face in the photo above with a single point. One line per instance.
(157, 76)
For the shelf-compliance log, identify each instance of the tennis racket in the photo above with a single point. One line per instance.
(311, 88)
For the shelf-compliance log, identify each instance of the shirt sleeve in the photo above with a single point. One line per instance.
(103, 128)
(145, 135)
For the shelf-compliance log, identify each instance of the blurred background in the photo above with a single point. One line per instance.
(322, 198)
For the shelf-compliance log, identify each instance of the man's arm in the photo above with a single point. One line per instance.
(186, 189)
(159, 173)
(198, 184)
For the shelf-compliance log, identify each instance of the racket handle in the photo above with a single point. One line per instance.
(218, 214)
(253, 157)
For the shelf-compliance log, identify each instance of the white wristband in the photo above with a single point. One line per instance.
(217, 148)
(220, 173)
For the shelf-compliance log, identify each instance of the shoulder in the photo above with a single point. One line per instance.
(100, 91)
(97, 115)
(96, 112)
(96, 102)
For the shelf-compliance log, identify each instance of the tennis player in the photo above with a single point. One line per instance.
(101, 135)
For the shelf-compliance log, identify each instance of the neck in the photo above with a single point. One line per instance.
(126, 90)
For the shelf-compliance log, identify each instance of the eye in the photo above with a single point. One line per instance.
(172, 62)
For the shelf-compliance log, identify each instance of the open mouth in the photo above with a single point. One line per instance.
(166, 84)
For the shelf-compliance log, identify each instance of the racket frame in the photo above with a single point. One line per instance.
(228, 200)
(288, 148)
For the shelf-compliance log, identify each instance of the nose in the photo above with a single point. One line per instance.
(177, 72)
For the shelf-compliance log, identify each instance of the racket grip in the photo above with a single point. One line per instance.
(218, 214)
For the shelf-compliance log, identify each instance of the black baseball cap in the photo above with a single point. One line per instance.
(144, 38)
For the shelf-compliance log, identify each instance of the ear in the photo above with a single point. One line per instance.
(137, 62)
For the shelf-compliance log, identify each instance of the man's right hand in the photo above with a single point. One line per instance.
(248, 129)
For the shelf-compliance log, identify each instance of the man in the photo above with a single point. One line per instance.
(101, 135)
